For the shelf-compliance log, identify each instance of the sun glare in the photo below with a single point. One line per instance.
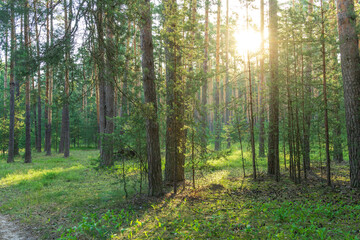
(247, 40)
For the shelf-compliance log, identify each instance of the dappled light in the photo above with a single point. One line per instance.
(171, 119)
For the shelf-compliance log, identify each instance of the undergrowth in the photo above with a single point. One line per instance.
(70, 199)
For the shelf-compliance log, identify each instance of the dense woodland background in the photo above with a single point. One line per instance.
(171, 84)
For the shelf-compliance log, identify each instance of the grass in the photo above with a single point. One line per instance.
(70, 199)
(54, 192)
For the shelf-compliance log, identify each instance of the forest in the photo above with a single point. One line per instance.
(193, 119)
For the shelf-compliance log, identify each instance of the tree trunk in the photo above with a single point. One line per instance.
(37, 33)
(27, 85)
(124, 102)
(50, 90)
(204, 100)
(106, 88)
(350, 61)
(262, 85)
(152, 127)
(217, 119)
(6, 70)
(65, 123)
(175, 158)
(326, 122)
(273, 141)
(307, 96)
(227, 84)
(251, 117)
(12, 87)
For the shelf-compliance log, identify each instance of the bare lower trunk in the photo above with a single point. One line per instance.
(27, 86)
(152, 127)
(273, 141)
(217, 117)
(204, 118)
(175, 158)
(12, 88)
(350, 61)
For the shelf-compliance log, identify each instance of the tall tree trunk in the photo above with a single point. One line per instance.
(307, 95)
(6, 70)
(17, 86)
(204, 100)
(50, 90)
(152, 127)
(262, 85)
(106, 79)
(124, 102)
(350, 61)
(273, 141)
(175, 158)
(109, 84)
(326, 122)
(12, 87)
(217, 119)
(65, 123)
(337, 139)
(27, 85)
(37, 33)
(252, 137)
(227, 84)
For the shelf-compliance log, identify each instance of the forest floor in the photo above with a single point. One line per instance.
(71, 199)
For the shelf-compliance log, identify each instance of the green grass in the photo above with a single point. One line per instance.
(54, 192)
(70, 199)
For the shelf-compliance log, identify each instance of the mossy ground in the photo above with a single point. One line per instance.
(71, 199)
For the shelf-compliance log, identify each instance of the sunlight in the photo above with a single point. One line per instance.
(247, 40)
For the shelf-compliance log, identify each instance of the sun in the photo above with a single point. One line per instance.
(247, 40)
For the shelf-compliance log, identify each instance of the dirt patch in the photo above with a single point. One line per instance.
(8, 230)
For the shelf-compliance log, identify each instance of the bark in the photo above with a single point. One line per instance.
(251, 117)
(273, 140)
(217, 118)
(227, 83)
(27, 85)
(326, 122)
(17, 86)
(152, 127)
(337, 139)
(6, 70)
(350, 61)
(106, 86)
(262, 85)
(12, 87)
(175, 158)
(307, 97)
(65, 122)
(124, 102)
(37, 33)
(204, 100)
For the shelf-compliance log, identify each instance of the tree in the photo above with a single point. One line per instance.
(27, 84)
(37, 36)
(350, 60)
(65, 123)
(227, 83)
(327, 147)
(204, 99)
(217, 120)
(273, 140)
(175, 137)
(262, 85)
(12, 86)
(152, 127)
(252, 136)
